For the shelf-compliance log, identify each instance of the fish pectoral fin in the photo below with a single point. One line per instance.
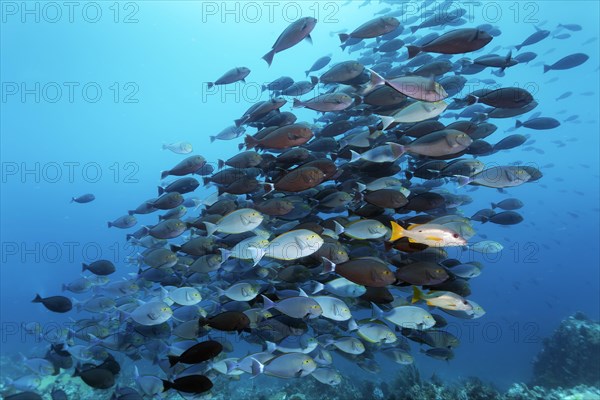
(308, 38)
(301, 243)
(245, 221)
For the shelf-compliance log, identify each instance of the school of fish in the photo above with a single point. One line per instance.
(324, 237)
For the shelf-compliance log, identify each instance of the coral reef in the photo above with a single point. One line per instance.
(571, 356)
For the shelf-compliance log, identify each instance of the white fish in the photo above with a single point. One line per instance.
(290, 365)
(376, 332)
(341, 287)
(416, 112)
(243, 291)
(405, 316)
(433, 235)
(348, 344)
(294, 244)
(362, 229)
(476, 312)
(179, 147)
(487, 247)
(294, 344)
(238, 221)
(327, 376)
(252, 248)
(399, 356)
(333, 308)
(152, 313)
(184, 296)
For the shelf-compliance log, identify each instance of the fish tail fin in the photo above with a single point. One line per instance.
(307, 72)
(343, 37)
(250, 142)
(413, 29)
(298, 103)
(269, 187)
(257, 367)
(231, 366)
(314, 80)
(339, 229)
(269, 57)
(212, 138)
(518, 47)
(37, 299)
(256, 254)
(386, 121)
(238, 122)
(494, 206)
(271, 347)
(518, 124)
(225, 254)
(376, 312)
(220, 164)
(210, 84)
(84, 266)
(220, 292)
(484, 219)
(166, 385)
(210, 228)
(161, 190)
(72, 199)
(355, 156)
(413, 51)
(547, 68)
(109, 224)
(328, 265)
(471, 99)
(417, 294)
(206, 180)
(397, 231)
(318, 287)
(463, 180)
(164, 174)
(267, 303)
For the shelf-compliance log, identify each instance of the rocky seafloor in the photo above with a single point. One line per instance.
(567, 368)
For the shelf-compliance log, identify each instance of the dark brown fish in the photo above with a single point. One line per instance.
(282, 138)
(386, 198)
(299, 180)
(187, 166)
(368, 271)
(59, 304)
(454, 42)
(275, 207)
(228, 321)
(422, 273)
(189, 384)
(198, 353)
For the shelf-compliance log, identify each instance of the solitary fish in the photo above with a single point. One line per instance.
(291, 36)
(231, 76)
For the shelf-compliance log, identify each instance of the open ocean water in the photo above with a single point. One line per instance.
(91, 91)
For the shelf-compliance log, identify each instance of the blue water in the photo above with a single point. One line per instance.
(151, 61)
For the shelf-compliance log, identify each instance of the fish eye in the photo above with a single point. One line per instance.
(455, 236)
(465, 302)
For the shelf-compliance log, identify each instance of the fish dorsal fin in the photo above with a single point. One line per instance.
(413, 226)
